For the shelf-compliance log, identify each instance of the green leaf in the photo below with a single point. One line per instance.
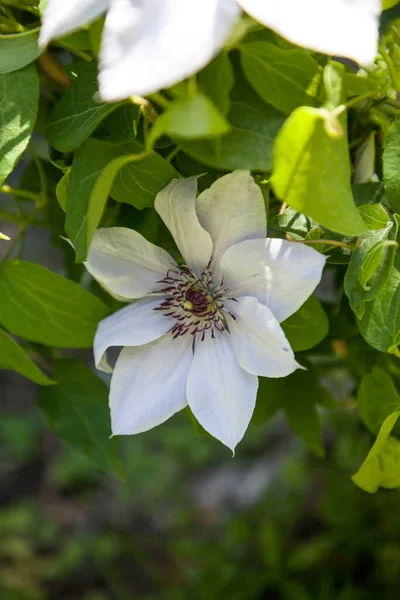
(371, 258)
(216, 81)
(79, 111)
(19, 93)
(77, 410)
(189, 118)
(102, 188)
(312, 171)
(135, 183)
(18, 50)
(374, 216)
(296, 224)
(372, 262)
(381, 468)
(46, 308)
(284, 78)
(377, 399)
(13, 357)
(297, 395)
(249, 143)
(372, 192)
(389, 4)
(380, 324)
(391, 171)
(62, 189)
(308, 326)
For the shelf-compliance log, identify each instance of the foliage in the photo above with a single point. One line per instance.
(322, 139)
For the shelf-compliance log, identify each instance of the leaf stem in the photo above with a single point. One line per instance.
(7, 189)
(326, 242)
(43, 196)
(336, 112)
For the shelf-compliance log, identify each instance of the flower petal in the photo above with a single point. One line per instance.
(176, 206)
(125, 263)
(339, 27)
(148, 385)
(278, 273)
(243, 268)
(293, 272)
(134, 325)
(63, 17)
(260, 345)
(232, 210)
(153, 44)
(220, 393)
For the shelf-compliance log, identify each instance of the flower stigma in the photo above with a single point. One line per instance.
(196, 304)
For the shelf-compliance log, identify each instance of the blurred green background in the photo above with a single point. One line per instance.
(275, 522)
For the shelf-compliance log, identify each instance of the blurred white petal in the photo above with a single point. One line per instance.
(260, 345)
(337, 27)
(232, 210)
(176, 206)
(125, 263)
(148, 385)
(220, 393)
(148, 45)
(63, 16)
(134, 325)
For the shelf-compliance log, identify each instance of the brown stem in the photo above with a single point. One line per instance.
(54, 70)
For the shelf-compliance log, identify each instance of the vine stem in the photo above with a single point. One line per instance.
(54, 70)
(336, 112)
(6, 189)
(326, 242)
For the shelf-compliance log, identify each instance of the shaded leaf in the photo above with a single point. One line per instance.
(134, 183)
(248, 145)
(44, 307)
(380, 323)
(79, 111)
(14, 358)
(284, 78)
(77, 410)
(370, 258)
(391, 171)
(18, 50)
(216, 81)
(308, 326)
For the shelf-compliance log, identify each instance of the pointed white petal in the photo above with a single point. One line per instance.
(243, 268)
(125, 263)
(260, 345)
(232, 210)
(134, 325)
(278, 273)
(176, 206)
(339, 27)
(220, 393)
(152, 44)
(148, 385)
(63, 16)
(293, 272)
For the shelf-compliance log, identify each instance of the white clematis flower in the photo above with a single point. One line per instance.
(199, 334)
(148, 45)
